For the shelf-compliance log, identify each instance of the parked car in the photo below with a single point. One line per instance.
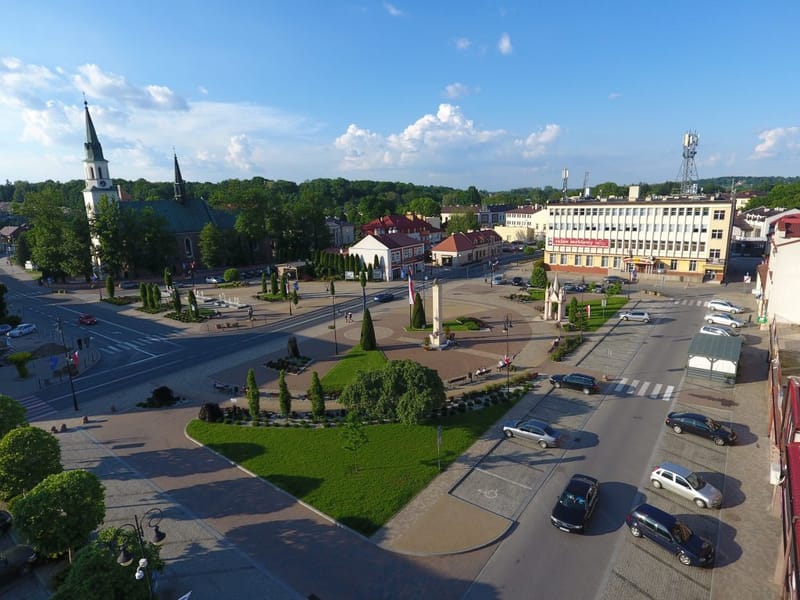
(667, 531)
(214, 279)
(15, 561)
(5, 328)
(87, 320)
(717, 330)
(533, 429)
(576, 504)
(614, 279)
(577, 381)
(701, 425)
(569, 287)
(22, 329)
(517, 281)
(384, 297)
(499, 280)
(724, 306)
(723, 319)
(129, 285)
(683, 482)
(635, 315)
(598, 288)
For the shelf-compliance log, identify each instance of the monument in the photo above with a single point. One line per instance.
(554, 294)
(437, 337)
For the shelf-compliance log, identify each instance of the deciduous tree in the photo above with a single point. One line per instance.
(27, 455)
(284, 397)
(253, 395)
(353, 436)
(12, 414)
(317, 396)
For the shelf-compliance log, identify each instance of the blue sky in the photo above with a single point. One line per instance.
(493, 94)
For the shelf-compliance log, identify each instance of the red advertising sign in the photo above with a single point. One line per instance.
(580, 242)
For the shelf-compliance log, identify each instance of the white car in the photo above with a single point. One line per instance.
(716, 330)
(683, 482)
(22, 329)
(722, 319)
(724, 306)
(635, 315)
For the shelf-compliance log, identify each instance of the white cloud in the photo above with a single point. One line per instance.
(463, 43)
(504, 45)
(392, 10)
(98, 84)
(20, 82)
(47, 125)
(240, 152)
(614, 95)
(202, 90)
(457, 90)
(777, 140)
(536, 144)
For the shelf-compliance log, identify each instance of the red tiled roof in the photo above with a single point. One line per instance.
(461, 242)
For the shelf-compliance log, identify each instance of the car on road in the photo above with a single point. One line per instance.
(22, 329)
(499, 280)
(683, 482)
(214, 279)
(635, 315)
(384, 297)
(5, 328)
(533, 429)
(517, 281)
(15, 562)
(576, 504)
(717, 330)
(87, 320)
(615, 279)
(701, 425)
(723, 319)
(129, 285)
(724, 306)
(667, 531)
(576, 381)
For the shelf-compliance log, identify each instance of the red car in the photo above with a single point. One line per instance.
(87, 320)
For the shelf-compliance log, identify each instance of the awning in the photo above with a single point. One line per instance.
(638, 260)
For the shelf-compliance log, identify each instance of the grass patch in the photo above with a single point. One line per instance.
(311, 464)
(344, 371)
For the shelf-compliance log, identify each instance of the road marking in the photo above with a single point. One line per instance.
(632, 389)
(668, 393)
(490, 494)
(35, 409)
(656, 389)
(643, 389)
(621, 385)
(511, 481)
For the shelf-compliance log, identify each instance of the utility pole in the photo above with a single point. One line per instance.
(69, 365)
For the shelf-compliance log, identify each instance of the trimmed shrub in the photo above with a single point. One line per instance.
(210, 412)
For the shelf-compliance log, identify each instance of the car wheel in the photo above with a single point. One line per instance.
(557, 384)
(677, 429)
(508, 434)
(684, 558)
(586, 391)
(719, 441)
(542, 444)
(656, 483)
(700, 503)
(624, 318)
(709, 320)
(635, 531)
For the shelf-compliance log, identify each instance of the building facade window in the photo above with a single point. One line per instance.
(604, 261)
(673, 264)
(716, 234)
(693, 265)
(563, 259)
(714, 254)
(617, 262)
(719, 215)
(589, 261)
(578, 260)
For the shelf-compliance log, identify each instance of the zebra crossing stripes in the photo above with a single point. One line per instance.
(640, 388)
(125, 346)
(35, 409)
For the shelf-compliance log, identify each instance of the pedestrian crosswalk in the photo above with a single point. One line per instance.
(643, 389)
(36, 409)
(690, 302)
(133, 344)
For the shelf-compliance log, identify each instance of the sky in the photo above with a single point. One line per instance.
(498, 95)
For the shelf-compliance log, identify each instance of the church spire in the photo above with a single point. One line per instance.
(94, 151)
(180, 185)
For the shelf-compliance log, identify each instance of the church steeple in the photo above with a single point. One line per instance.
(94, 151)
(179, 184)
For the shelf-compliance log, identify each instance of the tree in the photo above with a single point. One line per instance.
(418, 320)
(253, 395)
(144, 296)
(12, 414)
(95, 573)
(60, 512)
(3, 304)
(263, 282)
(212, 246)
(572, 310)
(176, 300)
(539, 277)
(295, 297)
(155, 297)
(110, 286)
(27, 455)
(362, 278)
(284, 397)
(317, 396)
(461, 222)
(368, 341)
(273, 283)
(353, 436)
(284, 285)
(167, 278)
(231, 275)
(192, 299)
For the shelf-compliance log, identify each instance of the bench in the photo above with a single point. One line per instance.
(457, 379)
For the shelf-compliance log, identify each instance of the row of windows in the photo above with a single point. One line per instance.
(616, 261)
(656, 228)
(614, 211)
(663, 245)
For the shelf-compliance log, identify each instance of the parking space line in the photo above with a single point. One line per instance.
(500, 477)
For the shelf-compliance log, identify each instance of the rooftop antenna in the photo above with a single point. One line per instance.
(586, 184)
(688, 173)
(564, 179)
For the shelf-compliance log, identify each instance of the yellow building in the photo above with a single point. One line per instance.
(678, 238)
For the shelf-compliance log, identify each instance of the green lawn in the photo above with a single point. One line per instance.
(311, 464)
(346, 368)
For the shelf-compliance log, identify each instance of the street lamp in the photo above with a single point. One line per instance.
(333, 311)
(69, 365)
(507, 327)
(152, 518)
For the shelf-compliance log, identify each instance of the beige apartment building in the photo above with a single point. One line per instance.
(686, 239)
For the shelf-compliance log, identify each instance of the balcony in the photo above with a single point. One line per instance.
(715, 261)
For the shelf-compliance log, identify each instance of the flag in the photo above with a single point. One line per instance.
(410, 290)
(75, 358)
(589, 310)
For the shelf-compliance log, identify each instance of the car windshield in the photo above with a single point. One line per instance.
(549, 431)
(681, 532)
(695, 481)
(712, 424)
(572, 501)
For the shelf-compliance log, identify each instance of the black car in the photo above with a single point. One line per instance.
(384, 297)
(700, 425)
(518, 281)
(15, 561)
(615, 279)
(667, 531)
(577, 381)
(576, 504)
(5, 522)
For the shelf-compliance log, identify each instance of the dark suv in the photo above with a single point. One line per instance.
(667, 531)
(577, 381)
(700, 425)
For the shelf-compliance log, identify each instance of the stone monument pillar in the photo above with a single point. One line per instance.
(438, 339)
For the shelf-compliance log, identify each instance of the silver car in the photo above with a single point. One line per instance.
(717, 330)
(723, 319)
(533, 429)
(682, 481)
(724, 306)
(635, 315)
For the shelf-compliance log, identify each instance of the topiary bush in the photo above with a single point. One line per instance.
(211, 413)
(161, 396)
(231, 275)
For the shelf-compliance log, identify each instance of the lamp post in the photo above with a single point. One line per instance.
(152, 518)
(507, 327)
(333, 311)
(69, 366)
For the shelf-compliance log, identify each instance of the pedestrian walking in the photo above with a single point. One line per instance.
(349, 317)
